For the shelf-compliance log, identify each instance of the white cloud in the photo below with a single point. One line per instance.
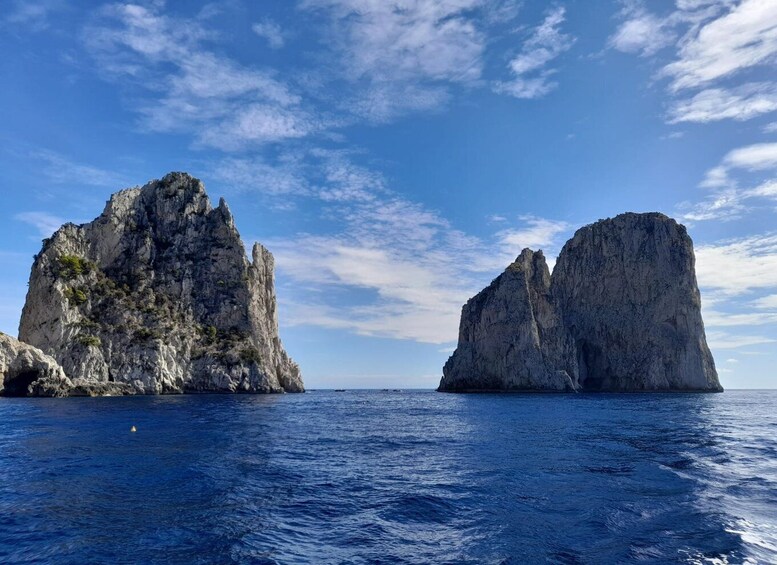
(270, 31)
(756, 157)
(32, 14)
(641, 32)
(766, 302)
(727, 200)
(328, 175)
(673, 135)
(726, 204)
(740, 103)
(724, 340)
(531, 75)
(45, 223)
(416, 268)
(717, 40)
(502, 11)
(738, 266)
(343, 180)
(61, 170)
(274, 179)
(401, 55)
(190, 89)
(770, 127)
(697, 4)
(716, 319)
(744, 37)
(537, 233)
(407, 268)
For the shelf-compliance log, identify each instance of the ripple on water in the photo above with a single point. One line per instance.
(368, 477)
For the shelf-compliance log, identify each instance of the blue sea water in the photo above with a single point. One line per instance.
(390, 477)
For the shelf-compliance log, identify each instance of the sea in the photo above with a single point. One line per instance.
(390, 477)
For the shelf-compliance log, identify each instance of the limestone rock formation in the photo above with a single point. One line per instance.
(627, 290)
(156, 295)
(27, 371)
(621, 312)
(511, 337)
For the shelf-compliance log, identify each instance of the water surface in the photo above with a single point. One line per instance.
(394, 477)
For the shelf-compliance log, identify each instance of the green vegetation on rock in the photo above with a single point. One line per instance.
(72, 266)
(75, 296)
(145, 334)
(88, 340)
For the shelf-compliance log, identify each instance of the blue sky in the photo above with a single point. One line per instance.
(396, 155)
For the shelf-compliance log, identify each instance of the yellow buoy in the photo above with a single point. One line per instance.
(133, 429)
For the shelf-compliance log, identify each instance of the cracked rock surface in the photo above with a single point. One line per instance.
(621, 312)
(157, 296)
(27, 371)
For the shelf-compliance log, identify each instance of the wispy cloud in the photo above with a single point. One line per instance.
(405, 269)
(535, 233)
(641, 32)
(415, 268)
(32, 14)
(284, 176)
(725, 340)
(401, 56)
(767, 302)
(743, 37)
(45, 223)
(188, 88)
(717, 319)
(736, 267)
(756, 157)
(728, 199)
(530, 68)
(62, 170)
(739, 103)
(328, 175)
(714, 41)
(270, 31)
(379, 61)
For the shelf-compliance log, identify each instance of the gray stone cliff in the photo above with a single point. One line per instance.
(627, 289)
(621, 312)
(511, 337)
(155, 296)
(27, 371)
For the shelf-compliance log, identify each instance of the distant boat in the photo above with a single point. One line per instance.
(339, 390)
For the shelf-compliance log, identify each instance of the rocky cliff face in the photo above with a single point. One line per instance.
(157, 296)
(627, 290)
(511, 337)
(621, 312)
(27, 371)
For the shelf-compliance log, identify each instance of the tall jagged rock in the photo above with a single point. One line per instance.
(627, 290)
(621, 312)
(511, 337)
(157, 295)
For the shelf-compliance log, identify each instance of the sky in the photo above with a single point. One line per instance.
(397, 155)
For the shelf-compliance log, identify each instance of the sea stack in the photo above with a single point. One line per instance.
(628, 295)
(511, 336)
(157, 296)
(625, 294)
